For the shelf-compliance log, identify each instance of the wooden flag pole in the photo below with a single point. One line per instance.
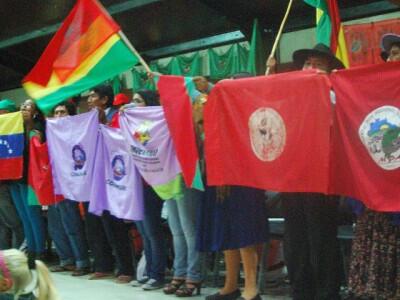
(278, 37)
(130, 46)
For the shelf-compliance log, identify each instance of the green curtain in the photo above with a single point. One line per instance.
(116, 85)
(141, 82)
(234, 60)
(224, 65)
(257, 55)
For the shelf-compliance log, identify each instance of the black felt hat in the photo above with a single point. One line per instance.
(301, 55)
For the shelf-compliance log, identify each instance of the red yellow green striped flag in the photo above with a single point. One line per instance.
(88, 49)
(329, 27)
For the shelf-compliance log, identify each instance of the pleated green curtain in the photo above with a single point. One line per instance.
(221, 65)
(224, 65)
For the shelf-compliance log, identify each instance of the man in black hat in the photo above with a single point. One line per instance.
(311, 246)
(391, 47)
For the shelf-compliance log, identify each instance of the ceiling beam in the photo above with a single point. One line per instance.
(212, 41)
(47, 30)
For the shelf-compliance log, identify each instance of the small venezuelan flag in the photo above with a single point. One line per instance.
(11, 145)
(87, 50)
(329, 28)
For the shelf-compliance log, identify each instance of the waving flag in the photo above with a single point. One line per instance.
(270, 132)
(146, 131)
(11, 145)
(117, 185)
(72, 143)
(87, 50)
(367, 140)
(176, 98)
(329, 28)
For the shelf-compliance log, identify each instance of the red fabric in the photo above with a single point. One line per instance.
(177, 107)
(11, 168)
(39, 175)
(120, 99)
(364, 40)
(335, 23)
(302, 100)
(115, 121)
(354, 171)
(83, 14)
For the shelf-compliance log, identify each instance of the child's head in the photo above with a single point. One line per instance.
(16, 278)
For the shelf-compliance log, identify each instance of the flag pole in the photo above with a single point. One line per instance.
(130, 46)
(278, 37)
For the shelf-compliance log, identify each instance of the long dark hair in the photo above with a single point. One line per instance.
(151, 98)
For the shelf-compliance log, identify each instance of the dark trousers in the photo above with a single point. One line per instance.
(108, 234)
(311, 247)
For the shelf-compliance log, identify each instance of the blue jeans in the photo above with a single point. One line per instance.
(152, 234)
(182, 222)
(31, 218)
(66, 229)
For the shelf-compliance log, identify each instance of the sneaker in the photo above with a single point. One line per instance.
(138, 283)
(153, 284)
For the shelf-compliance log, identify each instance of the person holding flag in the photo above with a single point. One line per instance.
(30, 215)
(11, 230)
(311, 246)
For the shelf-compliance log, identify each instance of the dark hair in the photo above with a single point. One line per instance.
(151, 98)
(71, 107)
(242, 75)
(103, 91)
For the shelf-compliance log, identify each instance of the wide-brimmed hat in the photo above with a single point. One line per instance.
(301, 55)
(388, 40)
(8, 105)
(120, 99)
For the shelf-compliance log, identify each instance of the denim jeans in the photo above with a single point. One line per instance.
(152, 234)
(182, 222)
(30, 216)
(11, 230)
(66, 229)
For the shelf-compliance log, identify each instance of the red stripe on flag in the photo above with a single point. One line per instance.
(83, 14)
(335, 23)
(178, 112)
(11, 168)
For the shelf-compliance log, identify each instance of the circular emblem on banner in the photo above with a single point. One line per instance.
(380, 134)
(79, 157)
(267, 134)
(118, 167)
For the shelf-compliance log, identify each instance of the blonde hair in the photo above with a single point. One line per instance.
(17, 263)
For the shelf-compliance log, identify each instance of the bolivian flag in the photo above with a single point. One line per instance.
(329, 28)
(11, 145)
(87, 50)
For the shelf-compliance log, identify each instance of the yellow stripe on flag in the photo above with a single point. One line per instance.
(37, 91)
(11, 123)
(341, 51)
(319, 15)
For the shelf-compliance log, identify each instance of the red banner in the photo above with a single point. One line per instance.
(364, 40)
(366, 142)
(270, 132)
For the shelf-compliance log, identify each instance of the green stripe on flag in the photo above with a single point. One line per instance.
(32, 198)
(197, 180)
(324, 25)
(117, 60)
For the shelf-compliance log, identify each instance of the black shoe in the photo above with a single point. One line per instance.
(231, 296)
(256, 297)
